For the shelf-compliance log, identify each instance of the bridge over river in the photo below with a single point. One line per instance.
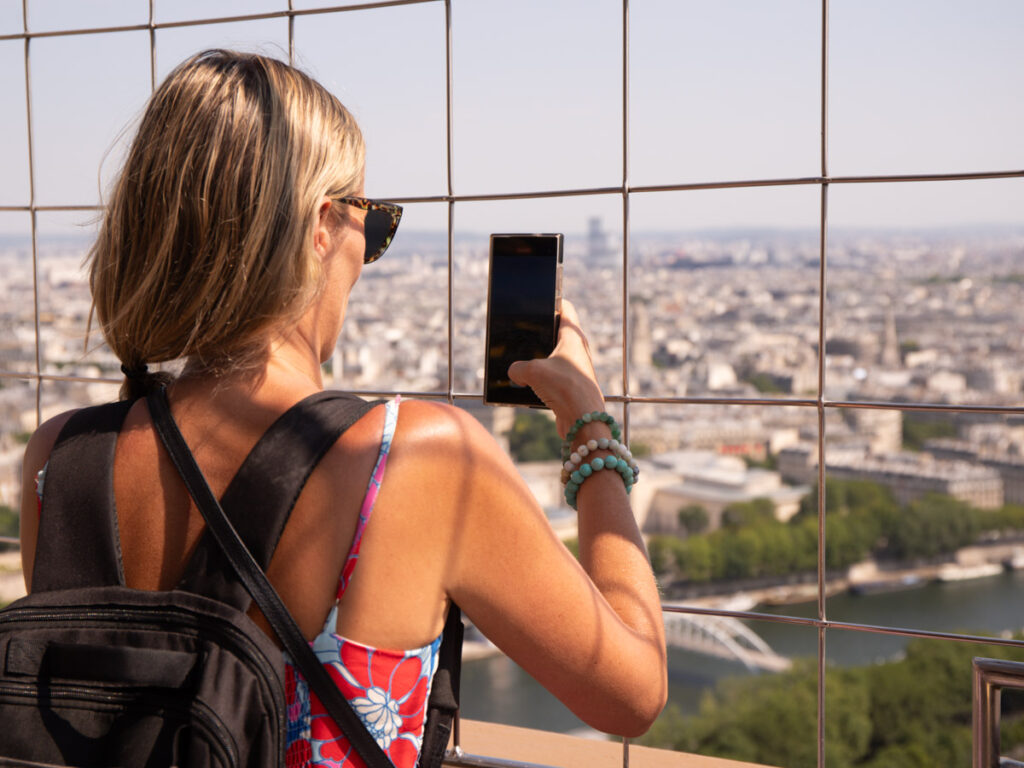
(722, 636)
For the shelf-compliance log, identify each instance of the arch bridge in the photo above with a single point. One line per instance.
(722, 636)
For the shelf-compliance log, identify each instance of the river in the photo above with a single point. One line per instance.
(495, 689)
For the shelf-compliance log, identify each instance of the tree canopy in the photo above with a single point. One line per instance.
(912, 712)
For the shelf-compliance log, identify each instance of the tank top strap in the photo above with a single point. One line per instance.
(369, 499)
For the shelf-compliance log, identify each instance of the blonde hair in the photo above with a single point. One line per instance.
(206, 243)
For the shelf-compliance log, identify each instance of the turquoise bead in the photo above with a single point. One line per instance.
(597, 463)
(610, 462)
(572, 487)
(577, 476)
(586, 470)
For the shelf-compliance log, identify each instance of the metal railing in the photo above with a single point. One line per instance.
(991, 676)
(452, 199)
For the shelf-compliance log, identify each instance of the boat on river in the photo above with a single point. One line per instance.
(956, 572)
(879, 586)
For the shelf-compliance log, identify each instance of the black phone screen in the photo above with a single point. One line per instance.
(522, 309)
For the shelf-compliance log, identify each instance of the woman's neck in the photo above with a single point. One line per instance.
(284, 373)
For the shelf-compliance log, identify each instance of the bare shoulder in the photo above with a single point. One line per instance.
(444, 462)
(440, 427)
(448, 460)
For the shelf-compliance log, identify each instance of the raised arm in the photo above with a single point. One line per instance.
(590, 632)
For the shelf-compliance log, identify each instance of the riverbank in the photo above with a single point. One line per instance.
(865, 578)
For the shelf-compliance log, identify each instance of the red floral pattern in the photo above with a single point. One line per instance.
(388, 689)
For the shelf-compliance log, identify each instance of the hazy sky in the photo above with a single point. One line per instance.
(718, 90)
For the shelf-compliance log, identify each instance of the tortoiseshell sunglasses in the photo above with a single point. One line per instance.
(379, 226)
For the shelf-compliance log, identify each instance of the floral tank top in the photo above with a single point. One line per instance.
(388, 689)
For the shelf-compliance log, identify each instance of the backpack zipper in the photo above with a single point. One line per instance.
(151, 618)
(204, 715)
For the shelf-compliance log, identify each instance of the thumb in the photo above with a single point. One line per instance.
(519, 372)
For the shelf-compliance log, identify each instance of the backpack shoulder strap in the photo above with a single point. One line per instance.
(263, 492)
(443, 703)
(257, 585)
(79, 544)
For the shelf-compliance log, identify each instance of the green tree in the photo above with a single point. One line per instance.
(764, 383)
(913, 712)
(917, 429)
(746, 513)
(694, 559)
(639, 449)
(661, 548)
(694, 519)
(1007, 519)
(770, 461)
(770, 720)
(932, 525)
(805, 543)
(740, 553)
(778, 549)
(9, 522)
(533, 437)
(845, 541)
(851, 497)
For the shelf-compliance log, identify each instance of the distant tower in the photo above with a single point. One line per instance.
(640, 348)
(890, 357)
(597, 239)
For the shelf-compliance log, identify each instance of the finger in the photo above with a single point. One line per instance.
(519, 372)
(569, 312)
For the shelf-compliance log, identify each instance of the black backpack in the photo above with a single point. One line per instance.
(93, 673)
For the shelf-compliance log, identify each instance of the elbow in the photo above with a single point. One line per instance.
(644, 714)
(634, 714)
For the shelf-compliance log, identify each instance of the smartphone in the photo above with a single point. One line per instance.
(524, 296)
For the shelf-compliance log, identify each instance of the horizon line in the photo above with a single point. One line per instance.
(725, 229)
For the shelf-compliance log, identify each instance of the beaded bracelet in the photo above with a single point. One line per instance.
(579, 476)
(583, 450)
(587, 418)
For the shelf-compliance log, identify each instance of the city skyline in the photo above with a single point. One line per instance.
(717, 92)
(740, 369)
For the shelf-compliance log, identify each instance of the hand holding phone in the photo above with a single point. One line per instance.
(523, 303)
(565, 380)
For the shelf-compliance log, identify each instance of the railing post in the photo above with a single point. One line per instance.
(990, 677)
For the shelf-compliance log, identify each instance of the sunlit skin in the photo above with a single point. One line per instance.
(454, 519)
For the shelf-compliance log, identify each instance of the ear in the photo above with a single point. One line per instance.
(322, 228)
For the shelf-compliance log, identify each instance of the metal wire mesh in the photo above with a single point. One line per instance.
(452, 199)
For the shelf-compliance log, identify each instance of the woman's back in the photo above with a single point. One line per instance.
(254, 303)
(159, 524)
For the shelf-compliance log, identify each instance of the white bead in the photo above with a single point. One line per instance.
(568, 466)
(627, 454)
(603, 443)
(613, 444)
(583, 451)
(592, 444)
(575, 458)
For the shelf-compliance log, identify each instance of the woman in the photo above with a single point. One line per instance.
(232, 240)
